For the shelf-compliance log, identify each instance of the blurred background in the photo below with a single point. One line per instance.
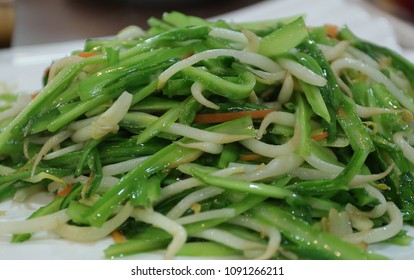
(31, 22)
(45, 21)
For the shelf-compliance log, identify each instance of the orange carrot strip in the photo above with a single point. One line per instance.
(87, 54)
(250, 157)
(187, 55)
(331, 30)
(117, 236)
(33, 96)
(65, 191)
(224, 117)
(320, 136)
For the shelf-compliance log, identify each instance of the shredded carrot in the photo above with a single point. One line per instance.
(224, 117)
(65, 191)
(250, 157)
(331, 30)
(187, 55)
(33, 96)
(341, 112)
(87, 54)
(320, 136)
(117, 236)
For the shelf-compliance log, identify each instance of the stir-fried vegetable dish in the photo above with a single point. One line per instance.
(258, 140)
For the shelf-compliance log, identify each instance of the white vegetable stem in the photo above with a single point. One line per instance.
(43, 223)
(254, 59)
(375, 74)
(107, 122)
(178, 232)
(380, 233)
(303, 73)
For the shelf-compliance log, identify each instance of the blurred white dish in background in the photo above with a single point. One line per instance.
(371, 25)
(319, 12)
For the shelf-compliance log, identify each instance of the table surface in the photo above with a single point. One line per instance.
(48, 21)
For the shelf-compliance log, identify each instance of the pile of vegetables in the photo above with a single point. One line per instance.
(266, 140)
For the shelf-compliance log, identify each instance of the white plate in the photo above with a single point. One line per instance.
(22, 68)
